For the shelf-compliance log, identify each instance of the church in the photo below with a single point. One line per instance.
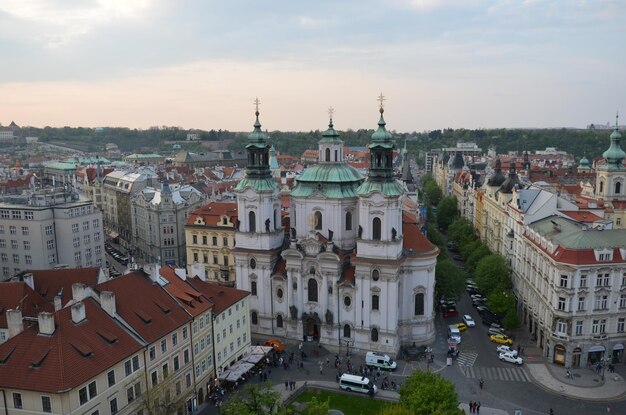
(353, 270)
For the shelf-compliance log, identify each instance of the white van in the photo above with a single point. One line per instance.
(454, 334)
(380, 360)
(356, 383)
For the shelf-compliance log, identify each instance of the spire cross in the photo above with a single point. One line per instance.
(331, 112)
(381, 99)
(256, 104)
(616, 119)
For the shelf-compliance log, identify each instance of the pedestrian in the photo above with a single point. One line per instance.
(481, 382)
(471, 407)
(327, 362)
(300, 346)
(286, 384)
(478, 407)
(321, 367)
(519, 348)
(522, 352)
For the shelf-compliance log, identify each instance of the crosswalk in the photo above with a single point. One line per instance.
(512, 374)
(466, 359)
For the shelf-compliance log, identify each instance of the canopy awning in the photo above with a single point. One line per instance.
(618, 346)
(262, 350)
(596, 348)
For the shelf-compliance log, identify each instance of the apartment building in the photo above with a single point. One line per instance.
(45, 228)
(210, 237)
(158, 222)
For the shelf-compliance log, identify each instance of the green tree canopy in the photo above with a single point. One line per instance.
(255, 400)
(492, 274)
(395, 409)
(449, 279)
(474, 258)
(461, 231)
(446, 211)
(432, 192)
(425, 393)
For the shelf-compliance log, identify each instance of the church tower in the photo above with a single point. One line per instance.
(611, 176)
(380, 200)
(259, 233)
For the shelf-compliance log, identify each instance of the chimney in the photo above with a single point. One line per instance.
(29, 280)
(197, 270)
(58, 303)
(153, 271)
(107, 302)
(79, 291)
(181, 273)
(78, 312)
(15, 323)
(46, 323)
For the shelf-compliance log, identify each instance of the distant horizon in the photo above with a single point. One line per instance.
(454, 63)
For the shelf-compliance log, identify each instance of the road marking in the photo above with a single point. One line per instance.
(510, 374)
(467, 359)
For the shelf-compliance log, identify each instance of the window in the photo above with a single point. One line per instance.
(17, 214)
(86, 225)
(163, 345)
(346, 330)
(50, 244)
(188, 380)
(563, 281)
(76, 242)
(419, 304)
(184, 332)
(254, 319)
(75, 228)
(2, 229)
(620, 324)
(606, 280)
(279, 293)
(561, 305)
(24, 230)
(96, 223)
(113, 405)
(13, 244)
(622, 301)
(17, 400)
(583, 281)
(16, 259)
(561, 327)
(374, 335)
(12, 230)
(29, 216)
(88, 392)
(194, 239)
(618, 221)
(5, 214)
(618, 188)
(52, 258)
(111, 378)
(279, 321)
(347, 301)
(251, 224)
(3, 243)
(579, 328)
(581, 303)
(376, 229)
(28, 259)
(204, 240)
(348, 221)
(624, 280)
(318, 220)
(154, 378)
(87, 239)
(49, 230)
(186, 356)
(598, 327)
(225, 241)
(96, 236)
(27, 245)
(253, 288)
(601, 302)
(312, 290)
(174, 339)
(46, 403)
(5, 257)
(176, 363)
(152, 353)
(375, 302)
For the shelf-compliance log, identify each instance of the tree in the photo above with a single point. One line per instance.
(461, 231)
(395, 409)
(158, 400)
(511, 319)
(449, 279)
(501, 301)
(492, 274)
(315, 407)
(255, 400)
(446, 211)
(425, 393)
(432, 192)
(474, 258)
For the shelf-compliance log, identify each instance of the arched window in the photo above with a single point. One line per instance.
(318, 220)
(348, 221)
(601, 187)
(375, 275)
(327, 154)
(336, 153)
(254, 317)
(376, 229)
(378, 160)
(275, 219)
(312, 288)
(346, 331)
(312, 271)
(374, 335)
(251, 222)
(375, 302)
(419, 304)
(253, 288)
(618, 188)
(279, 321)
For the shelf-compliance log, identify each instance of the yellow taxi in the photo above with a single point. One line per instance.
(500, 339)
(461, 326)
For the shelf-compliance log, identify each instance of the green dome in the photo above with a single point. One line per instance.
(614, 156)
(381, 137)
(332, 180)
(257, 138)
(330, 135)
(584, 161)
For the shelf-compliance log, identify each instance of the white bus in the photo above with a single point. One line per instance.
(356, 383)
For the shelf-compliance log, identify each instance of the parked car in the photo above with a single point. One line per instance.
(500, 339)
(494, 331)
(477, 303)
(482, 309)
(477, 297)
(461, 326)
(449, 312)
(503, 348)
(469, 320)
(508, 357)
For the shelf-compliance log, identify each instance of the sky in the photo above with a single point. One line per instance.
(201, 63)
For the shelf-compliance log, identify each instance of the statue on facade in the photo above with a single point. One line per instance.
(267, 225)
(293, 310)
(330, 235)
(329, 317)
(360, 231)
(293, 233)
(237, 224)
(394, 233)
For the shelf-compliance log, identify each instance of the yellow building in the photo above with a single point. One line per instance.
(210, 236)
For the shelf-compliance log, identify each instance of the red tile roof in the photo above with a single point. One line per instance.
(582, 216)
(222, 297)
(212, 213)
(145, 305)
(413, 240)
(72, 355)
(49, 282)
(191, 300)
(14, 295)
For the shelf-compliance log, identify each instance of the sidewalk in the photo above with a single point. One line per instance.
(585, 383)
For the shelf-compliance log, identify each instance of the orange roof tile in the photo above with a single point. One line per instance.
(14, 295)
(50, 282)
(190, 299)
(582, 216)
(222, 297)
(212, 213)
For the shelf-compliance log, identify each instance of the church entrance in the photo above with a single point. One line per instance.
(311, 324)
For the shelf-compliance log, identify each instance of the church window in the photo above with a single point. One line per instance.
(376, 229)
(378, 160)
(328, 154)
(375, 302)
(318, 220)
(279, 293)
(375, 275)
(275, 219)
(601, 187)
(336, 153)
(312, 288)
(252, 263)
(346, 331)
(348, 221)
(254, 317)
(347, 301)
(419, 304)
(279, 321)
(251, 221)
(618, 188)
(374, 335)
(253, 288)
